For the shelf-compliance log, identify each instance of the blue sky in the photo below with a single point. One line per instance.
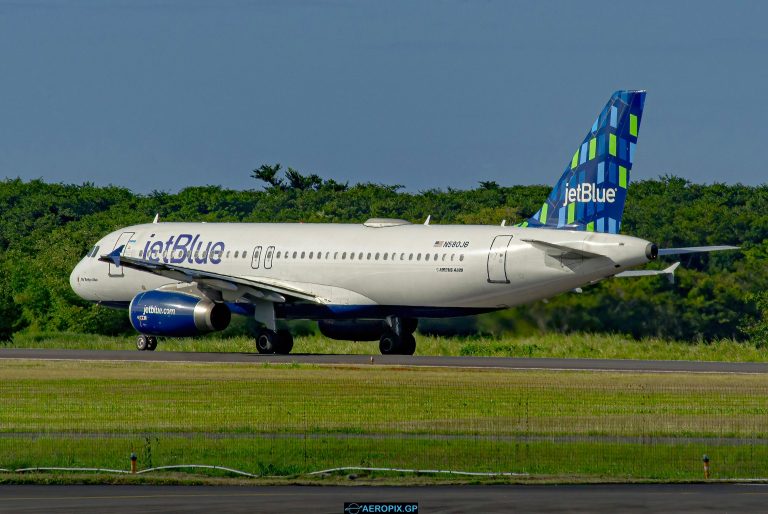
(168, 94)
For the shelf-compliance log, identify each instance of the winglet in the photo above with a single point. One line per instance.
(157, 218)
(115, 255)
(429, 218)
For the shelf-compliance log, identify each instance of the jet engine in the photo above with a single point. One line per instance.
(168, 313)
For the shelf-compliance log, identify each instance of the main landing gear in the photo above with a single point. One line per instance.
(270, 341)
(397, 338)
(146, 343)
(392, 344)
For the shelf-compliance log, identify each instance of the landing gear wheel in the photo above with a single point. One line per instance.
(142, 342)
(409, 345)
(284, 342)
(390, 344)
(151, 343)
(265, 341)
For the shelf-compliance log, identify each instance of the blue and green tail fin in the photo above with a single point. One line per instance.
(591, 193)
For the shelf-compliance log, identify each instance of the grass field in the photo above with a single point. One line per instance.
(593, 346)
(286, 420)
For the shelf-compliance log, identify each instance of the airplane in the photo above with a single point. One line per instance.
(373, 281)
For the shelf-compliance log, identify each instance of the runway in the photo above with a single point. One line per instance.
(394, 360)
(435, 499)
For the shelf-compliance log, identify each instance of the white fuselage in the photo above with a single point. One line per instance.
(434, 266)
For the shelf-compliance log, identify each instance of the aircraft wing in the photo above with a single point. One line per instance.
(694, 249)
(224, 284)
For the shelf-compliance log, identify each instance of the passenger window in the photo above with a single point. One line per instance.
(410, 257)
(141, 253)
(335, 255)
(418, 256)
(426, 257)
(237, 253)
(352, 256)
(402, 256)
(435, 256)
(278, 255)
(443, 256)
(385, 256)
(303, 254)
(452, 256)
(461, 257)
(343, 256)
(376, 256)
(327, 254)
(360, 256)
(295, 254)
(369, 256)
(310, 255)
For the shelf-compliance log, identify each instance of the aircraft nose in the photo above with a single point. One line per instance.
(74, 279)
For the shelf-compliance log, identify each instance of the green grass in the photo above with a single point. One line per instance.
(592, 346)
(286, 420)
(285, 458)
(241, 398)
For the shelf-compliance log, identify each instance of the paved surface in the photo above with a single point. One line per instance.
(394, 360)
(447, 499)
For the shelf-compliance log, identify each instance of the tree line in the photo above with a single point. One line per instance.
(46, 228)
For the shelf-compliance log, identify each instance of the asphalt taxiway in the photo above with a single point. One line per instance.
(656, 366)
(680, 498)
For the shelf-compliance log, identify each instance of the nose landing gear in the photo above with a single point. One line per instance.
(146, 343)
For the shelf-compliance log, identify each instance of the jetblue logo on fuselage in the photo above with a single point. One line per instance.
(184, 248)
(589, 193)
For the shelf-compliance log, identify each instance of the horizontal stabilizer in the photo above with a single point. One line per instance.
(695, 249)
(552, 247)
(669, 272)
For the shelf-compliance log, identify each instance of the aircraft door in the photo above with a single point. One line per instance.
(268, 257)
(256, 258)
(497, 260)
(123, 240)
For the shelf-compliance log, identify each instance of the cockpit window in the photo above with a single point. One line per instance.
(93, 251)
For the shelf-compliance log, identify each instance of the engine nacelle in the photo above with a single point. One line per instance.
(168, 313)
(352, 329)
